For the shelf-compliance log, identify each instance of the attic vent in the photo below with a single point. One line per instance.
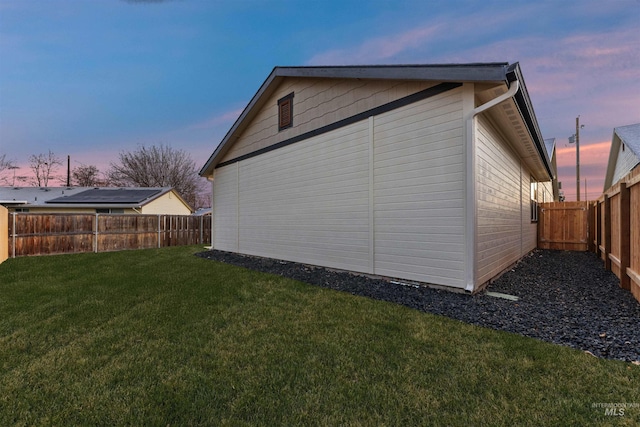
(285, 112)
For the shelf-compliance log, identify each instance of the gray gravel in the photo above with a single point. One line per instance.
(565, 298)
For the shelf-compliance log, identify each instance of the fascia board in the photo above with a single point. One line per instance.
(490, 72)
(525, 107)
(265, 88)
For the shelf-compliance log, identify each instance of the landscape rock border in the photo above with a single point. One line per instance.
(563, 297)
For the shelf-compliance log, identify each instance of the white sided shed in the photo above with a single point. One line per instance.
(428, 173)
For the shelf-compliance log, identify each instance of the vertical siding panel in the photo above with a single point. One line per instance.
(225, 221)
(309, 202)
(419, 191)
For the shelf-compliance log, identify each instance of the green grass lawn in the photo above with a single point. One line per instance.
(161, 337)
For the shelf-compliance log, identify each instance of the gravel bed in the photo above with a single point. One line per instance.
(565, 298)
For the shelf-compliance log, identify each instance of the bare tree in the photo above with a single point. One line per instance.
(43, 167)
(157, 166)
(86, 176)
(5, 165)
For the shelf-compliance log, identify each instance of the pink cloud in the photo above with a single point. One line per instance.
(593, 164)
(379, 48)
(226, 119)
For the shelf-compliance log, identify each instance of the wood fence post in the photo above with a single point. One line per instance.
(598, 228)
(625, 235)
(159, 231)
(4, 234)
(591, 220)
(95, 235)
(607, 232)
(13, 254)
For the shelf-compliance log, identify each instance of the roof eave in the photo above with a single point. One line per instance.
(477, 72)
(207, 169)
(523, 102)
(488, 72)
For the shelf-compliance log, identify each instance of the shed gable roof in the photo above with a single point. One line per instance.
(501, 72)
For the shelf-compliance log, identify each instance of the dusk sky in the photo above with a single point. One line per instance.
(91, 78)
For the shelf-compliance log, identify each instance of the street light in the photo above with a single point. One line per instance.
(576, 138)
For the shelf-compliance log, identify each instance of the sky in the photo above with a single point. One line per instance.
(93, 78)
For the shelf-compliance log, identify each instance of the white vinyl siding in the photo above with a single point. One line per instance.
(225, 208)
(419, 191)
(626, 161)
(318, 102)
(308, 202)
(503, 194)
(330, 200)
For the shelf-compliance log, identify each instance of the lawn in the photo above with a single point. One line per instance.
(161, 337)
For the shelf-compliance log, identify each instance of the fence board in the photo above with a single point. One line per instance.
(564, 226)
(633, 182)
(619, 233)
(614, 213)
(44, 234)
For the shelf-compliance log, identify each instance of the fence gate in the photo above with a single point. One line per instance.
(564, 226)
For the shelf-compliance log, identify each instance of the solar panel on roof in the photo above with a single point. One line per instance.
(101, 195)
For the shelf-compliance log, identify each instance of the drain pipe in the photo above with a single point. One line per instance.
(471, 219)
(515, 85)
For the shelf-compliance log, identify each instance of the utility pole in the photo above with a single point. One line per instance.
(68, 171)
(578, 158)
(576, 138)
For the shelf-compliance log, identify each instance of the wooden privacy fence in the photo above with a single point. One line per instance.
(564, 226)
(617, 231)
(44, 234)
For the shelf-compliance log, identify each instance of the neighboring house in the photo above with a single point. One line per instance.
(427, 173)
(134, 200)
(550, 145)
(202, 212)
(624, 154)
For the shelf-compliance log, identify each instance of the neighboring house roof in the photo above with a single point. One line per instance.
(629, 136)
(112, 195)
(34, 196)
(501, 73)
(550, 145)
(203, 212)
(82, 197)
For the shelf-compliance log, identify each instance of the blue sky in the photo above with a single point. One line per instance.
(90, 78)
